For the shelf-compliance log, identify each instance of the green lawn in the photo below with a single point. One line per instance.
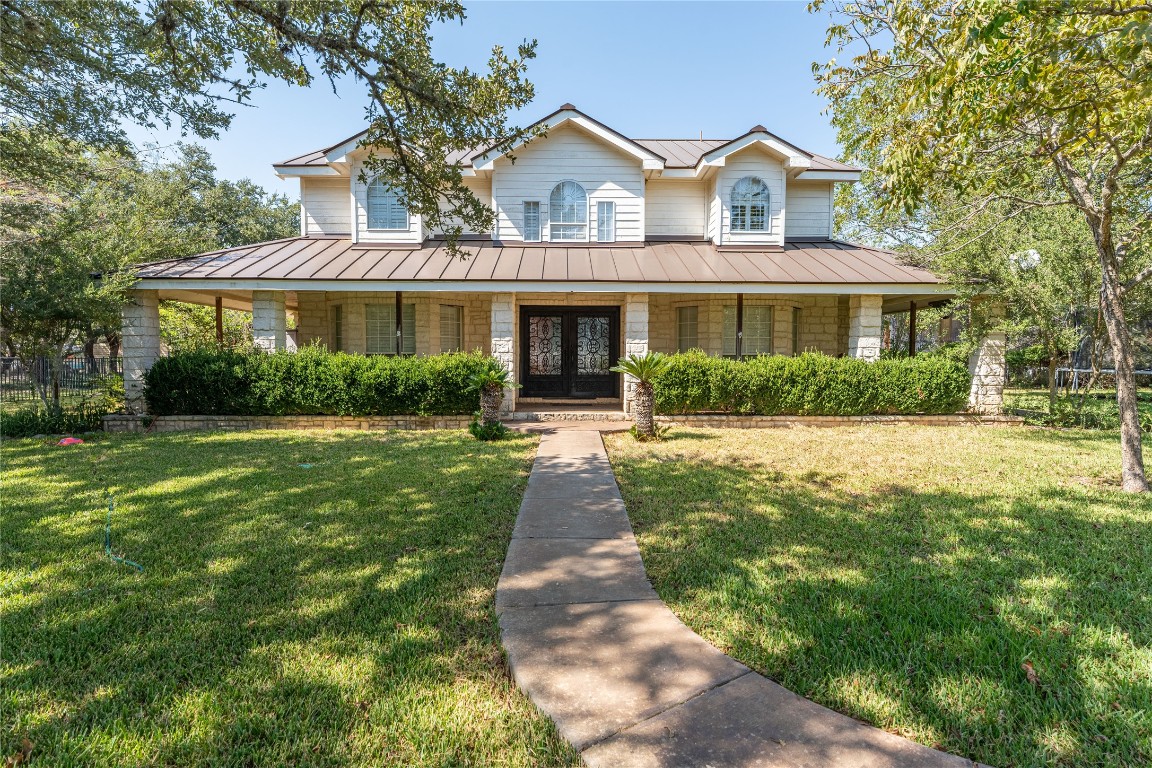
(1096, 411)
(338, 615)
(911, 577)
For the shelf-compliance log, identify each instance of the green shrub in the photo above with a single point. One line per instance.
(810, 384)
(36, 420)
(487, 432)
(311, 382)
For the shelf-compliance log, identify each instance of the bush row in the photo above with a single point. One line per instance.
(311, 382)
(37, 420)
(811, 385)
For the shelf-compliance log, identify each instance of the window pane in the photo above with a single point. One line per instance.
(729, 332)
(380, 329)
(568, 232)
(451, 328)
(687, 328)
(408, 343)
(749, 205)
(796, 330)
(606, 222)
(739, 218)
(384, 209)
(532, 220)
(757, 339)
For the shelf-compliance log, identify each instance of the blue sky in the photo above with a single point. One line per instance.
(648, 69)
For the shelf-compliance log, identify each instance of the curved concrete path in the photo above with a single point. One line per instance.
(625, 681)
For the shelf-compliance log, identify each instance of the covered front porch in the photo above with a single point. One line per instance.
(559, 345)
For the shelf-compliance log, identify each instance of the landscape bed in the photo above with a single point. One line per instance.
(981, 591)
(306, 599)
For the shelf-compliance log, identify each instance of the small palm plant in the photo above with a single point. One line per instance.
(644, 368)
(491, 384)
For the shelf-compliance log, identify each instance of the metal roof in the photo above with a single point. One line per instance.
(339, 259)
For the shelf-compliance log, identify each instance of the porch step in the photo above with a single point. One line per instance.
(568, 415)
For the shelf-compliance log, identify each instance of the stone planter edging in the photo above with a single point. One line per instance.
(126, 423)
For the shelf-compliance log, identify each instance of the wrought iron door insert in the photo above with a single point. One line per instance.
(568, 351)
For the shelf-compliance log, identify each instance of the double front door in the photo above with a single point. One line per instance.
(568, 351)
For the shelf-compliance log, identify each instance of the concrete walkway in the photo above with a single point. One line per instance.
(625, 681)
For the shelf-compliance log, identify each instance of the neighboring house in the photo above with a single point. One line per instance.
(603, 245)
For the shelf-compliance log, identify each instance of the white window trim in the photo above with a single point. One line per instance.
(587, 215)
(368, 211)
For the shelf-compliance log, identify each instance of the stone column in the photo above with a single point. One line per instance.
(140, 333)
(864, 326)
(504, 342)
(268, 320)
(635, 338)
(987, 363)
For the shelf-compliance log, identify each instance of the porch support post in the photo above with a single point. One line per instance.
(912, 329)
(140, 333)
(987, 363)
(635, 338)
(864, 326)
(219, 320)
(504, 342)
(268, 320)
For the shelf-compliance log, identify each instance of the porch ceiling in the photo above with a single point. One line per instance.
(336, 263)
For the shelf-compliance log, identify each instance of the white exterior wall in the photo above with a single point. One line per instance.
(482, 188)
(325, 204)
(569, 154)
(673, 207)
(808, 209)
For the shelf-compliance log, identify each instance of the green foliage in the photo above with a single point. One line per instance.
(659, 432)
(494, 377)
(38, 420)
(810, 384)
(644, 368)
(312, 381)
(187, 326)
(487, 432)
(84, 70)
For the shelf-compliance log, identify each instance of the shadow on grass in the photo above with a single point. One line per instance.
(913, 605)
(332, 615)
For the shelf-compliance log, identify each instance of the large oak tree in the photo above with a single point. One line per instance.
(1041, 103)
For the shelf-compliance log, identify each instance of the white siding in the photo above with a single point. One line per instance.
(569, 153)
(482, 188)
(713, 203)
(674, 208)
(808, 209)
(753, 162)
(414, 233)
(326, 208)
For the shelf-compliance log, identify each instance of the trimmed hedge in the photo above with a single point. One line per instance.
(810, 385)
(312, 382)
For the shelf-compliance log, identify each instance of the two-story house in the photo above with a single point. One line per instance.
(602, 245)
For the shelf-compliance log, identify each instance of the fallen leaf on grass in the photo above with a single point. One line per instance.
(21, 757)
(1030, 673)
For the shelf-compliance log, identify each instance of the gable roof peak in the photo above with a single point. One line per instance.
(757, 129)
(568, 106)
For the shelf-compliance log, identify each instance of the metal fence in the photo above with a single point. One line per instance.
(80, 376)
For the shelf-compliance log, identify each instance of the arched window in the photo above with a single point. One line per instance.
(749, 205)
(568, 212)
(384, 208)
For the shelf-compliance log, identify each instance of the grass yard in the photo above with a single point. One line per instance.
(337, 615)
(985, 591)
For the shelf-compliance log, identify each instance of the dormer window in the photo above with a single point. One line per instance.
(384, 208)
(568, 212)
(749, 205)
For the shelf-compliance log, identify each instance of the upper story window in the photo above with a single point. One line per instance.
(606, 221)
(568, 212)
(749, 205)
(532, 221)
(384, 208)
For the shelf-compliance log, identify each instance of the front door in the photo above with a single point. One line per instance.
(568, 351)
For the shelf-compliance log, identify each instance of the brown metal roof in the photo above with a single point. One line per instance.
(339, 259)
(677, 153)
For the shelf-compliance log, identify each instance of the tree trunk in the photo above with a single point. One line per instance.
(1051, 383)
(490, 399)
(645, 424)
(1132, 477)
(113, 341)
